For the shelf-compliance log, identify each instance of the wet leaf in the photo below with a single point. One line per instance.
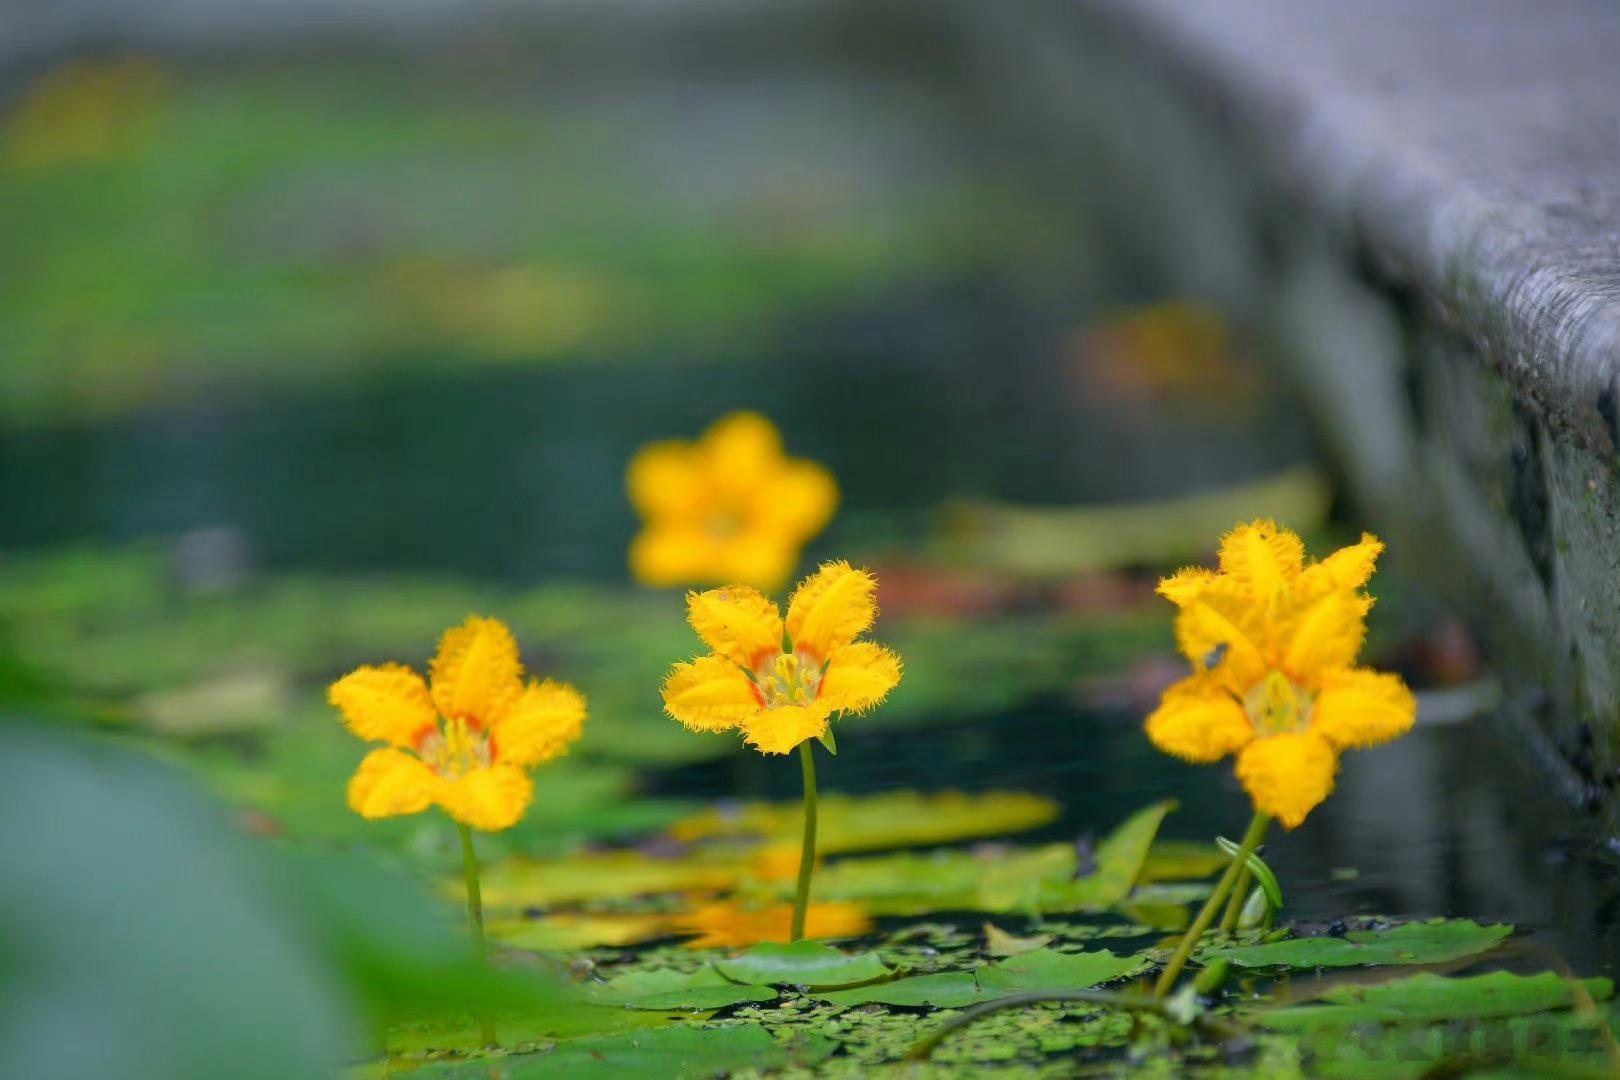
(803, 963)
(997, 942)
(704, 988)
(1427, 997)
(871, 823)
(1432, 942)
(944, 990)
(1045, 969)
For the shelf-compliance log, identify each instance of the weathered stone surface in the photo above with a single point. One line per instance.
(1423, 202)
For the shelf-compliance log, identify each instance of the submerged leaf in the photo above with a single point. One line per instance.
(803, 963)
(1427, 997)
(1432, 942)
(704, 988)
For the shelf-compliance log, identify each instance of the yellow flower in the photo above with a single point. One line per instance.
(466, 744)
(728, 507)
(779, 691)
(1273, 643)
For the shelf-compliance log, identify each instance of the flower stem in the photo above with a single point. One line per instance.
(475, 915)
(1235, 904)
(1206, 915)
(807, 854)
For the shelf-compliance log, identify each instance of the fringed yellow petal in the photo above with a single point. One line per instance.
(779, 730)
(477, 672)
(858, 676)
(760, 557)
(387, 703)
(709, 694)
(1197, 720)
(1262, 557)
(1360, 707)
(736, 622)
(1185, 586)
(539, 724)
(489, 799)
(800, 500)
(830, 608)
(741, 450)
(1288, 775)
(1325, 635)
(665, 480)
(1210, 633)
(391, 782)
(1349, 567)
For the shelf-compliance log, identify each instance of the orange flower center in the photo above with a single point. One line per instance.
(1277, 704)
(787, 679)
(456, 748)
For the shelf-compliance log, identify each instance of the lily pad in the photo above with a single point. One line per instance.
(1433, 942)
(1045, 969)
(943, 990)
(803, 963)
(997, 942)
(1043, 878)
(1427, 997)
(704, 988)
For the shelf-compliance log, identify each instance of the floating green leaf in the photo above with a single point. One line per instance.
(704, 988)
(803, 963)
(944, 989)
(1045, 969)
(1432, 942)
(997, 942)
(1427, 997)
(1042, 880)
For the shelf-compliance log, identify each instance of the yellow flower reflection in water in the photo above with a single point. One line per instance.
(729, 507)
(1273, 643)
(726, 924)
(466, 744)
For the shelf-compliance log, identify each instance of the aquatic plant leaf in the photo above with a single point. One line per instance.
(1119, 862)
(997, 942)
(943, 989)
(803, 963)
(704, 988)
(1428, 997)
(677, 1052)
(905, 883)
(1431, 942)
(578, 930)
(603, 875)
(1062, 541)
(849, 823)
(1181, 860)
(1046, 969)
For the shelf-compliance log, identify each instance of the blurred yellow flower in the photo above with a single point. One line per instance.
(85, 110)
(464, 745)
(1273, 644)
(779, 691)
(727, 924)
(729, 507)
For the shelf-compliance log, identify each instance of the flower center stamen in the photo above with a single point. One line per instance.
(789, 680)
(456, 748)
(1277, 705)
